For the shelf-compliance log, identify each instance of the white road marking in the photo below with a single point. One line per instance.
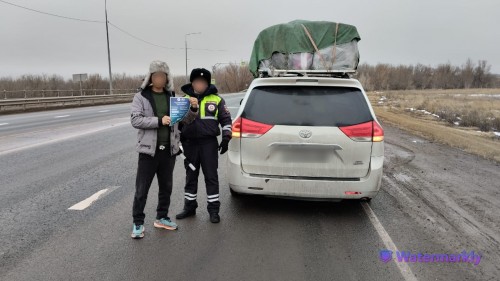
(62, 116)
(87, 202)
(102, 111)
(3, 124)
(403, 267)
(233, 107)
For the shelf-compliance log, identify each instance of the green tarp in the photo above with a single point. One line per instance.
(291, 38)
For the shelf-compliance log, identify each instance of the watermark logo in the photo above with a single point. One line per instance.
(409, 257)
(385, 255)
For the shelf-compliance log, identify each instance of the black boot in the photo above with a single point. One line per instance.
(185, 214)
(214, 218)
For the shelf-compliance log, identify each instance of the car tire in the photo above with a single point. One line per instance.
(234, 193)
(366, 199)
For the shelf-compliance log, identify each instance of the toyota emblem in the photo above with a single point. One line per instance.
(305, 134)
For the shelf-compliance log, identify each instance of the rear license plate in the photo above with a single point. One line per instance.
(305, 156)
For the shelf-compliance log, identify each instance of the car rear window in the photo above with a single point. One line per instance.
(307, 106)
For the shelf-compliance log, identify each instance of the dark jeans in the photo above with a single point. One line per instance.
(162, 164)
(205, 154)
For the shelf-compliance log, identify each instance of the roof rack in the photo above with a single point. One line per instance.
(264, 73)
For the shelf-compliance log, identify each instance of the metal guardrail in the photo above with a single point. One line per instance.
(45, 101)
(26, 94)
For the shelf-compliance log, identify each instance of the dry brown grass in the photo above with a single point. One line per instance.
(475, 109)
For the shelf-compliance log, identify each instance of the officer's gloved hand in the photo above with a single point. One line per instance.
(224, 146)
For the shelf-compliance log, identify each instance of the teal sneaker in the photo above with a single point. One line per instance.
(165, 224)
(138, 231)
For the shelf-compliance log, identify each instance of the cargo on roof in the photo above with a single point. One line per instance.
(306, 45)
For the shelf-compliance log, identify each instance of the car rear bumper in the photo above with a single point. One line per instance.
(366, 187)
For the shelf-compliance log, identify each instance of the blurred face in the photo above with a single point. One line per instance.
(159, 80)
(200, 85)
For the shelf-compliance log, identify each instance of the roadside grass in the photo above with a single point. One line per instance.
(468, 119)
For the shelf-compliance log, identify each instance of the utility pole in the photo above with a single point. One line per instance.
(109, 54)
(186, 48)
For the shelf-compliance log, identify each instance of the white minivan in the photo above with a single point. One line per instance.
(306, 137)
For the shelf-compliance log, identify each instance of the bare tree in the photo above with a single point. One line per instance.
(422, 76)
(467, 74)
(482, 76)
(232, 78)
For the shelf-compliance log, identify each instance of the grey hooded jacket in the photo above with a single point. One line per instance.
(143, 117)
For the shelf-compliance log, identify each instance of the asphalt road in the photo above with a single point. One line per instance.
(434, 199)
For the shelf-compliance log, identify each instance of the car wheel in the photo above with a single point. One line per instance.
(234, 193)
(365, 199)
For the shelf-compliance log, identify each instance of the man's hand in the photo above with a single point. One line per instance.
(224, 146)
(194, 102)
(165, 120)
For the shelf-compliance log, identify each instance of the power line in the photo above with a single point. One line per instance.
(113, 25)
(208, 50)
(50, 14)
(140, 39)
(156, 45)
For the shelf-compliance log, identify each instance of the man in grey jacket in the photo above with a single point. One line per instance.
(157, 144)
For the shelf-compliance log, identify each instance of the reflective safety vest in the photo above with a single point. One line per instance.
(209, 107)
(212, 113)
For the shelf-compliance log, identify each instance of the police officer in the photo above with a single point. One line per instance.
(199, 140)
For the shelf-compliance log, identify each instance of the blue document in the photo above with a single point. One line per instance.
(178, 109)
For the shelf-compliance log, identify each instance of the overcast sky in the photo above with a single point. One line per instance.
(392, 31)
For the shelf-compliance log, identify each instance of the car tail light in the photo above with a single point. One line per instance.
(369, 131)
(245, 128)
(237, 128)
(378, 132)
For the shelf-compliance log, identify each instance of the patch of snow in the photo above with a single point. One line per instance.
(485, 95)
(402, 177)
(424, 111)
